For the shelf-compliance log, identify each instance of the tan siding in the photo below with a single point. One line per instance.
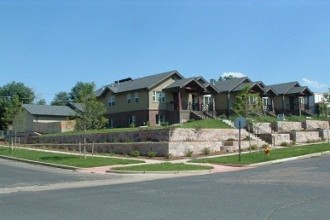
(168, 97)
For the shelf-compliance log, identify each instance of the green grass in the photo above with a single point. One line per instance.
(164, 167)
(64, 159)
(207, 123)
(258, 157)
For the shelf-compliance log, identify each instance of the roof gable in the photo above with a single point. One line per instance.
(283, 88)
(230, 84)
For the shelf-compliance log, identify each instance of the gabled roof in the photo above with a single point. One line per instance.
(139, 83)
(282, 88)
(230, 84)
(49, 110)
(300, 90)
(184, 82)
(249, 84)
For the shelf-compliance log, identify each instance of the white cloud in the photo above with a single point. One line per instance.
(315, 84)
(234, 74)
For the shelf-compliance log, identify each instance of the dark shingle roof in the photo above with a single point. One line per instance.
(299, 90)
(139, 83)
(230, 84)
(49, 110)
(282, 88)
(183, 82)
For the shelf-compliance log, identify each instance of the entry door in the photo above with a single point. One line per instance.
(265, 103)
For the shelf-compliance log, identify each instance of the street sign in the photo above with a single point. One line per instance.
(240, 122)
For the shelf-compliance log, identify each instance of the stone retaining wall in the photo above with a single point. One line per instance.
(276, 139)
(284, 126)
(262, 128)
(191, 134)
(305, 136)
(314, 124)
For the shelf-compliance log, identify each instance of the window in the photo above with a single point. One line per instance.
(160, 119)
(158, 96)
(252, 100)
(111, 101)
(129, 97)
(136, 96)
(131, 120)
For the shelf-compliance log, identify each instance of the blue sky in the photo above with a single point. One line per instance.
(50, 45)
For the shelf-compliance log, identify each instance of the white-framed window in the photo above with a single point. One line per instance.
(158, 96)
(136, 96)
(112, 101)
(252, 100)
(131, 120)
(160, 119)
(129, 97)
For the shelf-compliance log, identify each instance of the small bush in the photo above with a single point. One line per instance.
(206, 151)
(228, 143)
(152, 154)
(135, 153)
(284, 144)
(132, 125)
(164, 124)
(188, 153)
(169, 156)
(254, 147)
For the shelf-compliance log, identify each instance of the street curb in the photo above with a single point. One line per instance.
(320, 154)
(41, 163)
(160, 172)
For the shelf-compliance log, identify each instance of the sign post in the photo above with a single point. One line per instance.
(240, 122)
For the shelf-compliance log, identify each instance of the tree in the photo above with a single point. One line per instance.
(90, 116)
(9, 93)
(81, 90)
(61, 98)
(247, 103)
(223, 78)
(41, 102)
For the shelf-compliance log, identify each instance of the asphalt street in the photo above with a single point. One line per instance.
(292, 190)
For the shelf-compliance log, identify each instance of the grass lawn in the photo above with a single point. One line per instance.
(164, 167)
(207, 123)
(64, 159)
(258, 157)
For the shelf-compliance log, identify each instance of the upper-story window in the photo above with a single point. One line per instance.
(136, 96)
(158, 96)
(129, 97)
(112, 100)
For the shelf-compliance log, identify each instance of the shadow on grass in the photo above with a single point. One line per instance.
(57, 158)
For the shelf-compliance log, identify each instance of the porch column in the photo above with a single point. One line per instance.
(283, 104)
(199, 102)
(180, 101)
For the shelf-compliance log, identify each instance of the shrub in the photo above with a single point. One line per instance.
(188, 153)
(151, 154)
(164, 124)
(254, 147)
(206, 151)
(132, 125)
(169, 156)
(284, 144)
(135, 153)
